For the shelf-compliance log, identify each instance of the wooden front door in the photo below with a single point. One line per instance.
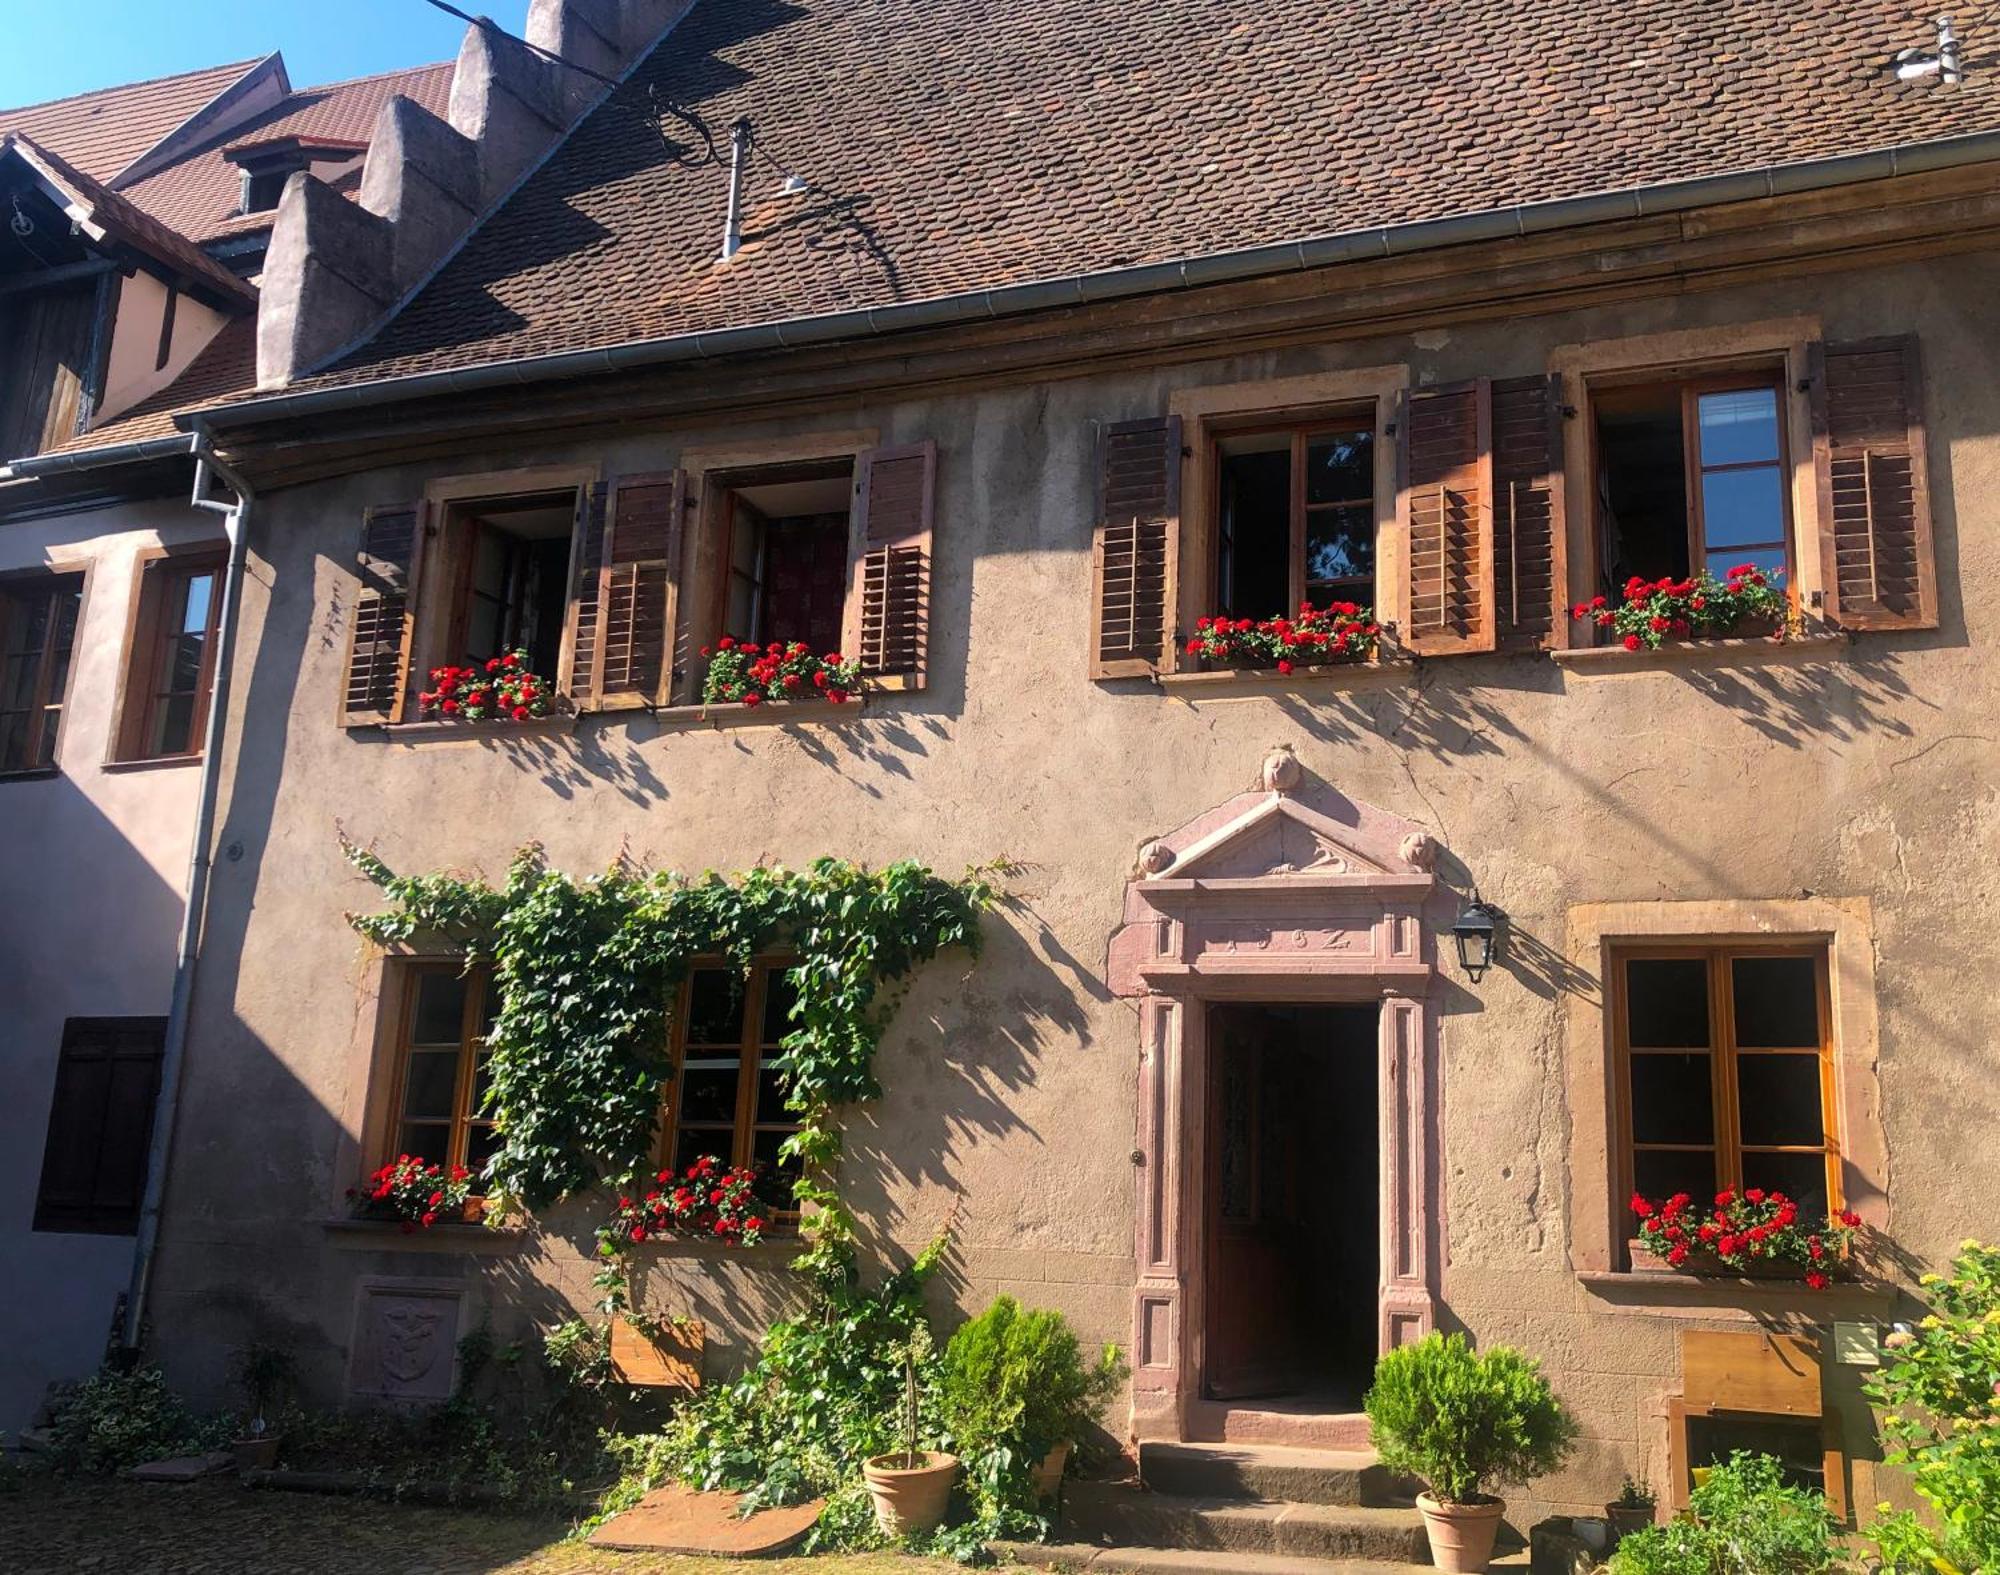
(1254, 1343)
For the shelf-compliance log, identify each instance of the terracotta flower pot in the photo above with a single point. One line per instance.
(1462, 1535)
(256, 1454)
(910, 1491)
(1048, 1474)
(1627, 1518)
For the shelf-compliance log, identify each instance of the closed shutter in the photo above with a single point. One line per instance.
(1449, 466)
(390, 565)
(576, 668)
(1137, 539)
(638, 590)
(1874, 489)
(100, 1125)
(889, 600)
(1527, 512)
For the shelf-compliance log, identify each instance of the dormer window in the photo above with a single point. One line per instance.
(264, 167)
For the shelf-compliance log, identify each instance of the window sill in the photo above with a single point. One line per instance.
(1267, 680)
(452, 1236)
(770, 713)
(150, 763)
(1761, 650)
(1675, 1295)
(771, 1252)
(469, 732)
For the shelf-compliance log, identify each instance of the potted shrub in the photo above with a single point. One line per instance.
(263, 1373)
(911, 1487)
(1016, 1394)
(1461, 1419)
(1632, 1510)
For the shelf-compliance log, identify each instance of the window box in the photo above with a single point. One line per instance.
(1734, 651)
(775, 713)
(1645, 1261)
(555, 725)
(664, 1355)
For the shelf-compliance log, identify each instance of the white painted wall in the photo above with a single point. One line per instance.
(130, 374)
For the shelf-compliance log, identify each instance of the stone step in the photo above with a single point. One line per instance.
(1279, 1424)
(1126, 1515)
(1188, 1561)
(1275, 1473)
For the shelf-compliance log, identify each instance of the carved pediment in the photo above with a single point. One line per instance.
(1278, 837)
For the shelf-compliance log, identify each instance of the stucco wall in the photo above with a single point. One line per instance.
(90, 904)
(1864, 773)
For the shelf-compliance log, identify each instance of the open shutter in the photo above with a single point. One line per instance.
(576, 671)
(889, 599)
(377, 685)
(1527, 512)
(100, 1125)
(1449, 463)
(1132, 558)
(638, 588)
(1874, 490)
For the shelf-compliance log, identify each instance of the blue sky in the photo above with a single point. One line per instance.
(58, 47)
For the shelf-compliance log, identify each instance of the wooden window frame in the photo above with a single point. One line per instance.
(153, 570)
(1302, 428)
(1728, 1147)
(409, 975)
(752, 1051)
(49, 578)
(718, 494)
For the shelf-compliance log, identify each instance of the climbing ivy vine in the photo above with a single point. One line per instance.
(585, 971)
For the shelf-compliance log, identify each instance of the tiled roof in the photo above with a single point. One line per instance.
(101, 133)
(976, 145)
(228, 365)
(198, 193)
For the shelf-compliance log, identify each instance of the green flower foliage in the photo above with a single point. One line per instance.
(1743, 1520)
(1459, 1418)
(585, 971)
(114, 1420)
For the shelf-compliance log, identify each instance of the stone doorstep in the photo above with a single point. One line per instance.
(1119, 1515)
(1202, 1561)
(1272, 1472)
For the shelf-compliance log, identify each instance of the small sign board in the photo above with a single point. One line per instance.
(1857, 1344)
(670, 1361)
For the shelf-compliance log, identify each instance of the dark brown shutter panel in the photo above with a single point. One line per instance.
(1137, 540)
(100, 1125)
(638, 587)
(1527, 512)
(1874, 487)
(576, 674)
(378, 636)
(889, 609)
(1449, 463)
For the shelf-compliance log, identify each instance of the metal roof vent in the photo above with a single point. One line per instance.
(1916, 65)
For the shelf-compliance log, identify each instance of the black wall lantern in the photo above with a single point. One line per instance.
(1477, 931)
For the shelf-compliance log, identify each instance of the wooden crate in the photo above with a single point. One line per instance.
(671, 1361)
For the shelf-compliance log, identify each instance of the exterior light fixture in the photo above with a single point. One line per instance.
(1477, 932)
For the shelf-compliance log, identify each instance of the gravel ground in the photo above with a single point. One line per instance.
(55, 1527)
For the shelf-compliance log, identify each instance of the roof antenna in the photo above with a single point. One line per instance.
(732, 226)
(1914, 65)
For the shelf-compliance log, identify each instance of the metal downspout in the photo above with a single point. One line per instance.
(194, 904)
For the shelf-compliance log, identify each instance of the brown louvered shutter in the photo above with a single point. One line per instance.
(1874, 486)
(100, 1125)
(377, 686)
(576, 669)
(1137, 538)
(1527, 512)
(889, 604)
(1449, 464)
(638, 589)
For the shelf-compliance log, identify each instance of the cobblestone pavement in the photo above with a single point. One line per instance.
(53, 1527)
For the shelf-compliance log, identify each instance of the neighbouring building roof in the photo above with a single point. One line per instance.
(103, 133)
(198, 193)
(956, 147)
(226, 366)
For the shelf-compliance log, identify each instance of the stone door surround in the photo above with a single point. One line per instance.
(1286, 893)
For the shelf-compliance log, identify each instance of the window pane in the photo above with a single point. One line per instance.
(1779, 1100)
(1666, 1002)
(440, 1014)
(431, 1084)
(1739, 427)
(709, 1094)
(14, 728)
(1770, 559)
(778, 998)
(195, 597)
(1671, 1100)
(715, 1007)
(480, 1142)
(1340, 545)
(1801, 1177)
(1341, 468)
(485, 622)
(1777, 1001)
(774, 1180)
(691, 1146)
(1660, 1173)
(173, 727)
(1742, 507)
(771, 1098)
(428, 1142)
(1255, 569)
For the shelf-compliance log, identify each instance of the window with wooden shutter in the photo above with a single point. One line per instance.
(100, 1125)
(1449, 469)
(889, 600)
(576, 675)
(1527, 511)
(379, 633)
(1137, 537)
(38, 618)
(638, 591)
(1874, 490)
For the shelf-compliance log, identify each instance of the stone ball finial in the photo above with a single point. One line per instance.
(1281, 770)
(1419, 848)
(1155, 858)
